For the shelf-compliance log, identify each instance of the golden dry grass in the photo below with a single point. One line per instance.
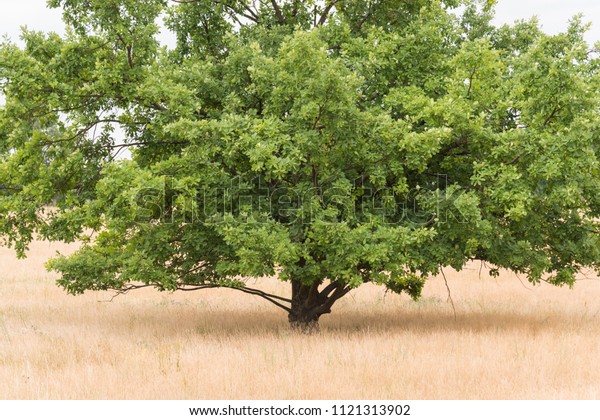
(508, 342)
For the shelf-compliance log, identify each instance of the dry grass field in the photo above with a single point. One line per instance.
(509, 341)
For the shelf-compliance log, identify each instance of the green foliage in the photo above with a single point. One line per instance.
(323, 142)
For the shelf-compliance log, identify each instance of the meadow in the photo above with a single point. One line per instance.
(507, 339)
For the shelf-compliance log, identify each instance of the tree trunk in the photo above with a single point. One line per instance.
(308, 304)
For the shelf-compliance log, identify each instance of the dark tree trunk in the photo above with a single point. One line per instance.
(308, 304)
(303, 315)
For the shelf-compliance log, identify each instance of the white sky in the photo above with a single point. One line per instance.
(553, 15)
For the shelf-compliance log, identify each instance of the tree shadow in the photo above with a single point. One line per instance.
(435, 321)
(219, 323)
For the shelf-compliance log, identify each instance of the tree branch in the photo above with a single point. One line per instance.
(516, 159)
(130, 56)
(328, 289)
(143, 143)
(278, 13)
(325, 13)
(91, 125)
(552, 115)
(126, 289)
(250, 15)
(449, 295)
(262, 293)
(339, 291)
(266, 296)
(189, 288)
(366, 16)
(253, 13)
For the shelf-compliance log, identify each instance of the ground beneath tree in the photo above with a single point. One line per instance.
(509, 340)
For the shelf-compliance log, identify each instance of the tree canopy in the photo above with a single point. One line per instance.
(328, 143)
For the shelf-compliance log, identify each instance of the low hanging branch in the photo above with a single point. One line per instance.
(317, 302)
(274, 299)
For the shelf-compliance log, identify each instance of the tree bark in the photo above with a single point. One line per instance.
(308, 304)
(303, 318)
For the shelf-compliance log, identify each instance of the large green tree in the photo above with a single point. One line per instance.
(328, 143)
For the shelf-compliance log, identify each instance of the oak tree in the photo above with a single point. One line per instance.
(328, 143)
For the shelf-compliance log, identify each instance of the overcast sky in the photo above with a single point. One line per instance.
(553, 15)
